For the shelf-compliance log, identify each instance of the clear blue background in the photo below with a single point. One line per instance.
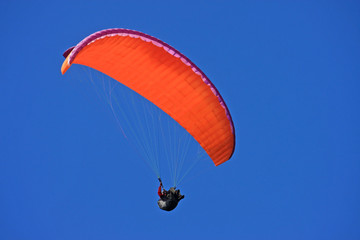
(289, 72)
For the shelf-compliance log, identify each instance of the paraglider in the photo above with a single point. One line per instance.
(168, 199)
(168, 79)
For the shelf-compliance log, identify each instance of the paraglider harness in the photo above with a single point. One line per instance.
(168, 199)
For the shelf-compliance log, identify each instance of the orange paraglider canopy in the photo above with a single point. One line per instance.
(165, 77)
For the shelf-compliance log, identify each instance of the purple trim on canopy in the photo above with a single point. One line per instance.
(67, 52)
(158, 43)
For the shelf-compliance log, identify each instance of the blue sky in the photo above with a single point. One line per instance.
(288, 71)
